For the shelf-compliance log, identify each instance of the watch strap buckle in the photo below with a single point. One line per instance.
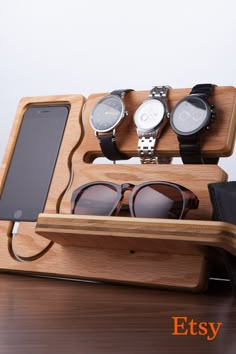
(159, 91)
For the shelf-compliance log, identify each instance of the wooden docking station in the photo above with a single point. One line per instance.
(140, 251)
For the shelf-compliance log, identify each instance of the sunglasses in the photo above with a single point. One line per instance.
(146, 200)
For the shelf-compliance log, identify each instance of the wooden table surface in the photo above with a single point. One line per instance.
(41, 316)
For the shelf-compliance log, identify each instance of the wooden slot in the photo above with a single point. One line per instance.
(62, 172)
(193, 177)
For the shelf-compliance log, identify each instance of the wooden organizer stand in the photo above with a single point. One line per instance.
(151, 252)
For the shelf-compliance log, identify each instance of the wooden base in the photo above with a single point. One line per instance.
(141, 266)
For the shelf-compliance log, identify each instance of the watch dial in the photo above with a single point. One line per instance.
(107, 113)
(149, 115)
(189, 115)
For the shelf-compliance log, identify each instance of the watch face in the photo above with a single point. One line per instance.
(107, 113)
(190, 115)
(149, 114)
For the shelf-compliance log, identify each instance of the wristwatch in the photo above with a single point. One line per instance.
(150, 119)
(188, 119)
(106, 115)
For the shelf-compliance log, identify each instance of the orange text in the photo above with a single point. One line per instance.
(188, 327)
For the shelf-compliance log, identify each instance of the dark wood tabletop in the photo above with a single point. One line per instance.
(42, 316)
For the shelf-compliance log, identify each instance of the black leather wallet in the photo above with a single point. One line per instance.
(223, 200)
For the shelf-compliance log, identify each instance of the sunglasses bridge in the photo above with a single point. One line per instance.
(127, 187)
(123, 207)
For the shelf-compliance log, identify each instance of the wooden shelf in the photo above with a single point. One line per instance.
(136, 234)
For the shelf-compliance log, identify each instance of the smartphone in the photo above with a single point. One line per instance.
(30, 172)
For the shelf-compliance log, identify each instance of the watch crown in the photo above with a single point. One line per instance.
(213, 113)
(126, 113)
(208, 127)
(213, 116)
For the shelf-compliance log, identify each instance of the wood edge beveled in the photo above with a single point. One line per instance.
(207, 233)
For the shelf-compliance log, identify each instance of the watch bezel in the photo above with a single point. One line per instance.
(201, 126)
(146, 130)
(122, 114)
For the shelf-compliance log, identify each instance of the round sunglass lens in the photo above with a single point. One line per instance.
(96, 200)
(158, 201)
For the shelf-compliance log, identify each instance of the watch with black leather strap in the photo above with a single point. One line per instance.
(106, 115)
(150, 118)
(188, 119)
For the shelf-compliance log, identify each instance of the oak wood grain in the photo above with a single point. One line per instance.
(150, 268)
(219, 141)
(155, 262)
(194, 177)
(167, 236)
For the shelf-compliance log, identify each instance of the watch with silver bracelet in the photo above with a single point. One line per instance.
(150, 118)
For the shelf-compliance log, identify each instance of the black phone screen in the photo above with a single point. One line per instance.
(33, 161)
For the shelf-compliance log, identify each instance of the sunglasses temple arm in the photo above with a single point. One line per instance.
(192, 200)
(195, 202)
